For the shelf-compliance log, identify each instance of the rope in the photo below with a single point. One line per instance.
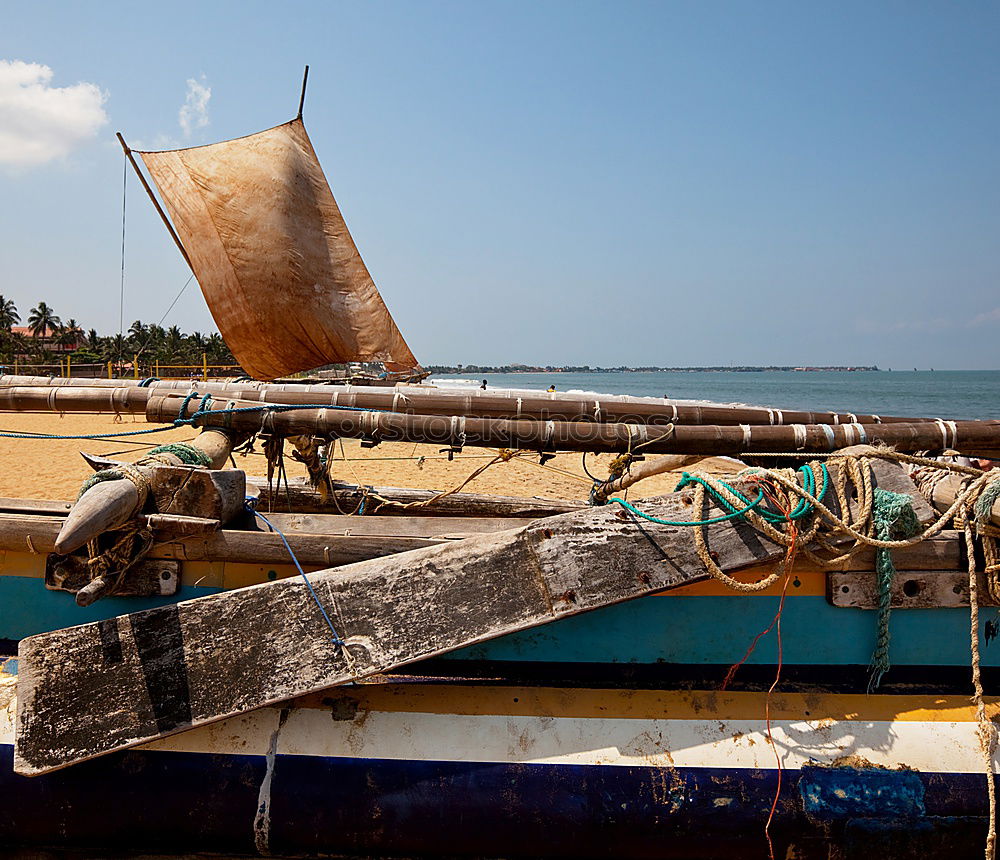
(187, 453)
(249, 504)
(986, 729)
(892, 516)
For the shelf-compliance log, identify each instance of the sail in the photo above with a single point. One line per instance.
(270, 249)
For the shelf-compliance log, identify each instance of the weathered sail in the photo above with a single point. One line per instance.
(278, 267)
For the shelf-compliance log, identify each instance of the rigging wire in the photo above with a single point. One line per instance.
(166, 312)
(121, 295)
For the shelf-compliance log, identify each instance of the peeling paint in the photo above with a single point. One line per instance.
(262, 820)
(844, 792)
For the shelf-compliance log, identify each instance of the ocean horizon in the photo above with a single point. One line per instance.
(951, 394)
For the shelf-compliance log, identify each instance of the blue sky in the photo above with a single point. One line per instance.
(600, 183)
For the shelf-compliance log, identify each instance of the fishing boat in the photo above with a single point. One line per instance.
(202, 661)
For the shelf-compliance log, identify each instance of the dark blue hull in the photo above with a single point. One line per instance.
(169, 802)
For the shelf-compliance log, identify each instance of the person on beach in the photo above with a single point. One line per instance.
(551, 388)
(483, 386)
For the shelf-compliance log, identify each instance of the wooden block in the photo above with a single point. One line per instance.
(92, 689)
(911, 589)
(146, 578)
(208, 493)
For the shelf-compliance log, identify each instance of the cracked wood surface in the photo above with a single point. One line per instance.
(92, 689)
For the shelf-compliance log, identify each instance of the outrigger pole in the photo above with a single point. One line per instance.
(36, 393)
(971, 437)
(152, 197)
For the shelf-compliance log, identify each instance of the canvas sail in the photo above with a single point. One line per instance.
(270, 249)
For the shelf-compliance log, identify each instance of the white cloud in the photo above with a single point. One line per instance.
(194, 112)
(986, 318)
(40, 122)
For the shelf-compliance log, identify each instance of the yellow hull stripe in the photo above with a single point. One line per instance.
(645, 704)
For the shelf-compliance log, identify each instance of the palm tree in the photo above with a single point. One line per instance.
(116, 348)
(93, 341)
(70, 334)
(8, 314)
(42, 320)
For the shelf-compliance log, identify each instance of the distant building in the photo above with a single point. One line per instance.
(51, 339)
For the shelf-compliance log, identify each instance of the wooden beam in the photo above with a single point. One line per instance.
(92, 689)
(301, 496)
(27, 533)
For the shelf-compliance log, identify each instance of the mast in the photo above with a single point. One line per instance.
(152, 197)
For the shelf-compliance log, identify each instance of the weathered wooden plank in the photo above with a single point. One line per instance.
(439, 527)
(301, 496)
(911, 589)
(34, 506)
(21, 532)
(92, 689)
(942, 552)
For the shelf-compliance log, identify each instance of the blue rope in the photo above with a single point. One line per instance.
(249, 504)
(149, 380)
(87, 435)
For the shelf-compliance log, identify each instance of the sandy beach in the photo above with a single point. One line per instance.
(54, 469)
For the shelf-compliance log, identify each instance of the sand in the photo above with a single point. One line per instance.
(54, 469)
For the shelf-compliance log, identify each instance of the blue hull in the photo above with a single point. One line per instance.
(166, 802)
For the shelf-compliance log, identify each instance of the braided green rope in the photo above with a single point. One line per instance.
(987, 499)
(893, 518)
(803, 508)
(99, 477)
(185, 452)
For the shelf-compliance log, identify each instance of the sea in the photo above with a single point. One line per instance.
(950, 394)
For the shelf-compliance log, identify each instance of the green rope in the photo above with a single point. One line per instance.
(893, 519)
(732, 515)
(803, 508)
(185, 452)
(987, 499)
(98, 478)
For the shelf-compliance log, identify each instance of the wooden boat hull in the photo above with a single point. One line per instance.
(459, 768)
(602, 735)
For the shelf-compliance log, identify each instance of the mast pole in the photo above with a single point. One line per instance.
(302, 98)
(156, 203)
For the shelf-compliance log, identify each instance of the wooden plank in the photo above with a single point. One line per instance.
(34, 506)
(941, 552)
(439, 527)
(301, 496)
(911, 589)
(37, 534)
(88, 690)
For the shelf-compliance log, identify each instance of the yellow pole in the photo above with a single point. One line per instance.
(157, 374)
(135, 365)
(109, 370)
(204, 365)
(69, 367)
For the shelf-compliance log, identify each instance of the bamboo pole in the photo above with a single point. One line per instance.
(155, 202)
(964, 436)
(302, 98)
(477, 403)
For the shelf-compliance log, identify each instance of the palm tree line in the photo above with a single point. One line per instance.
(152, 343)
